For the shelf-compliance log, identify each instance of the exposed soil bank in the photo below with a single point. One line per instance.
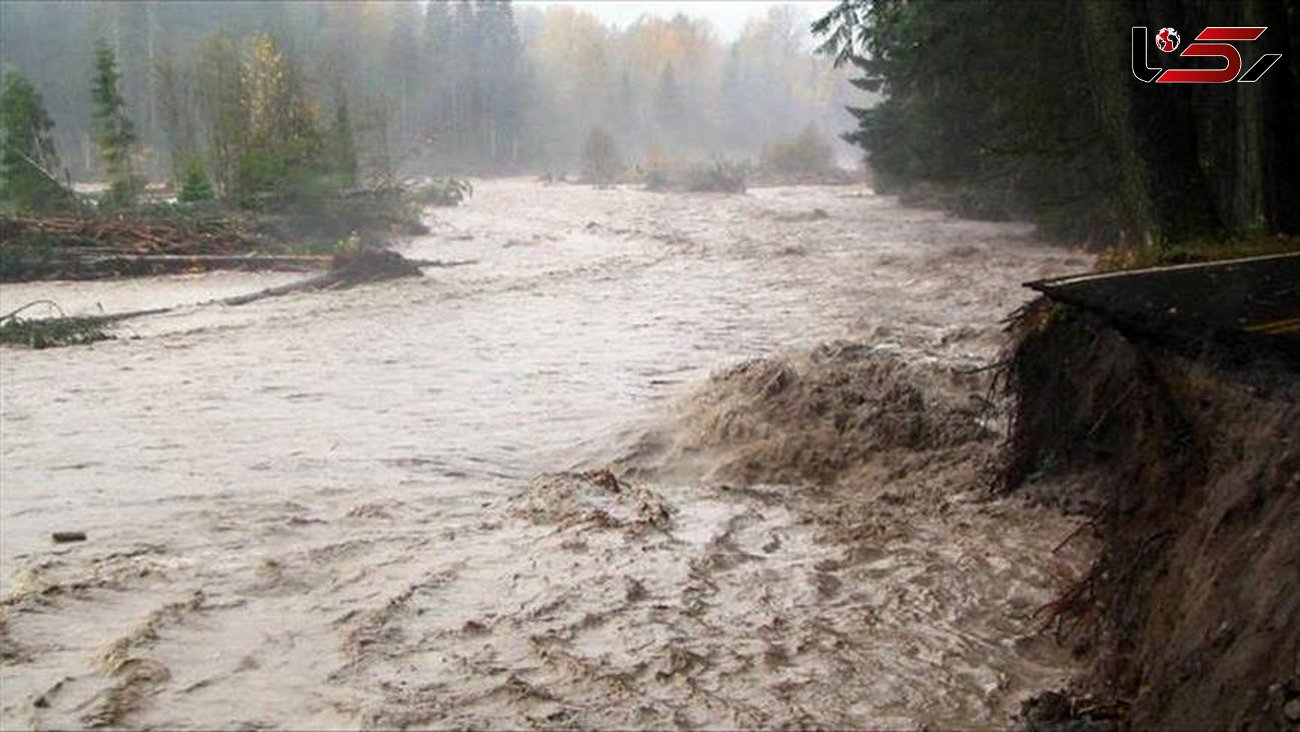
(1192, 473)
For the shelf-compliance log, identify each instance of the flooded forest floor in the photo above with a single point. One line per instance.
(657, 460)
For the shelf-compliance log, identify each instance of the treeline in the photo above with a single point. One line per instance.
(245, 93)
(1019, 108)
(669, 87)
(238, 117)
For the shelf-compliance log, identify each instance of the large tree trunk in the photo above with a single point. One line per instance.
(1106, 60)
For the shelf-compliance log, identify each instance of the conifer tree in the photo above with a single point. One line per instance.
(342, 145)
(114, 131)
(28, 161)
(195, 185)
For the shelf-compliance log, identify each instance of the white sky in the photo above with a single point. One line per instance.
(728, 16)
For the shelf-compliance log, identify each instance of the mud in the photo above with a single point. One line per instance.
(386, 506)
(1191, 473)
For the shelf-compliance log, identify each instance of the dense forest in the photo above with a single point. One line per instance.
(409, 87)
(1031, 109)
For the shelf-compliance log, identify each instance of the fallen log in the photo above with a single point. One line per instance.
(444, 263)
(186, 262)
(346, 270)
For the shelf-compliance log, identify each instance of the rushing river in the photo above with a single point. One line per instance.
(322, 509)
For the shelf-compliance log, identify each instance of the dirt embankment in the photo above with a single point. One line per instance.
(1191, 472)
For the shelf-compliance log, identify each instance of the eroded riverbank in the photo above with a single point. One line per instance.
(334, 509)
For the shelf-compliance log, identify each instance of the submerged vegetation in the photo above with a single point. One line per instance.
(50, 332)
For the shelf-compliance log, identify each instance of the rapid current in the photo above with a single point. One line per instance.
(382, 506)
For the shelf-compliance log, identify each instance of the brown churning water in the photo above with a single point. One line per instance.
(350, 508)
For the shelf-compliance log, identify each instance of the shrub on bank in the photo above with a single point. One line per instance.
(716, 176)
(807, 153)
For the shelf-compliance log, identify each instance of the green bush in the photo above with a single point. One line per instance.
(195, 185)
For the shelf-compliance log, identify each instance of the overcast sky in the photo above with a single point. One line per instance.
(727, 16)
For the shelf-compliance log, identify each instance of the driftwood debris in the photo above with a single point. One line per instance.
(346, 270)
(97, 246)
(210, 235)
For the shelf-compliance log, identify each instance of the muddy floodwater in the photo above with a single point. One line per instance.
(358, 508)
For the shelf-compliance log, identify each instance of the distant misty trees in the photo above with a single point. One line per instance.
(471, 84)
(669, 88)
(601, 162)
(372, 89)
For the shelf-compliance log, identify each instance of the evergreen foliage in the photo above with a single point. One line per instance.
(342, 146)
(28, 161)
(195, 186)
(114, 132)
(1029, 109)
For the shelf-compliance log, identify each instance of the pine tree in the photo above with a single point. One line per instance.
(115, 133)
(195, 185)
(436, 81)
(668, 107)
(463, 60)
(28, 160)
(342, 146)
(500, 53)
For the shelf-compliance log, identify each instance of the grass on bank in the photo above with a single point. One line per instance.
(1194, 251)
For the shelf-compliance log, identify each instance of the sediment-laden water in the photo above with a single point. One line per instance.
(367, 507)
